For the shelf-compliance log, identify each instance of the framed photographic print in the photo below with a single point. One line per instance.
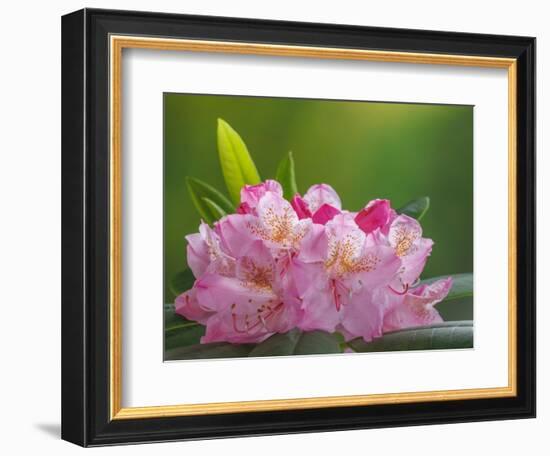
(277, 227)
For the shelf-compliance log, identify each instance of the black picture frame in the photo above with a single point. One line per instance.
(85, 228)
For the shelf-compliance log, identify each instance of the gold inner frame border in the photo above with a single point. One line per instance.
(117, 44)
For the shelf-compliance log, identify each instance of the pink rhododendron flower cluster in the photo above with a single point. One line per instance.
(276, 265)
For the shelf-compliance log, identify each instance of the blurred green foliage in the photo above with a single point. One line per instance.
(365, 150)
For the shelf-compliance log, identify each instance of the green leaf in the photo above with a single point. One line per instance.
(183, 336)
(452, 334)
(277, 345)
(214, 208)
(178, 331)
(201, 191)
(182, 281)
(237, 166)
(293, 342)
(286, 176)
(318, 343)
(171, 318)
(416, 208)
(296, 342)
(174, 321)
(463, 285)
(208, 351)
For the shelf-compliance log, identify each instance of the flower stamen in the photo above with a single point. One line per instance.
(400, 293)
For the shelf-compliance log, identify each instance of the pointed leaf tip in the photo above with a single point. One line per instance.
(214, 208)
(416, 208)
(209, 202)
(286, 176)
(237, 166)
(447, 335)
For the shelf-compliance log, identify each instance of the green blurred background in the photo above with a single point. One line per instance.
(365, 150)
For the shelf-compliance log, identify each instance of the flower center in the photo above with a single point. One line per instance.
(404, 240)
(253, 325)
(342, 258)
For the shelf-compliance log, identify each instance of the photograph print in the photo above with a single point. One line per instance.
(315, 227)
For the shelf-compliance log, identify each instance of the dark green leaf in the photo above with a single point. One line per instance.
(296, 342)
(208, 351)
(293, 342)
(174, 321)
(183, 336)
(416, 208)
(278, 344)
(182, 282)
(237, 166)
(457, 309)
(171, 318)
(318, 342)
(199, 191)
(452, 334)
(463, 285)
(179, 332)
(286, 176)
(216, 210)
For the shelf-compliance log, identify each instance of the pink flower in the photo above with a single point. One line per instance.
(416, 306)
(243, 292)
(276, 265)
(251, 195)
(376, 215)
(187, 305)
(249, 306)
(204, 252)
(277, 224)
(320, 194)
(339, 290)
(405, 237)
(321, 203)
(300, 207)
(324, 214)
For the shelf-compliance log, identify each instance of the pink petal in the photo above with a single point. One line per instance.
(256, 265)
(403, 234)
(277, 221)
(218, 293)
(271, 185)
(204, 251)
(238, 328)
(244, 208)
(245, 313)
(377, 266)
(375, 215)
(345, 244)
(324, 214)
(416, 308)
(187, 306)
(432, 293)
(320, 194)
(222, 327)
(251, 194)
(413, 264)
(236, 234)
(314, 245)
(300, 207)
(319, 312)
(363, 316)
(315, 299)
(198, 257)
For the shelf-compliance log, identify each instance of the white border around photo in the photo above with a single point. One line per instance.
(147, 380)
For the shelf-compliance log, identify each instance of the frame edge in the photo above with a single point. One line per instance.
(83, 419)
(73, 305)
